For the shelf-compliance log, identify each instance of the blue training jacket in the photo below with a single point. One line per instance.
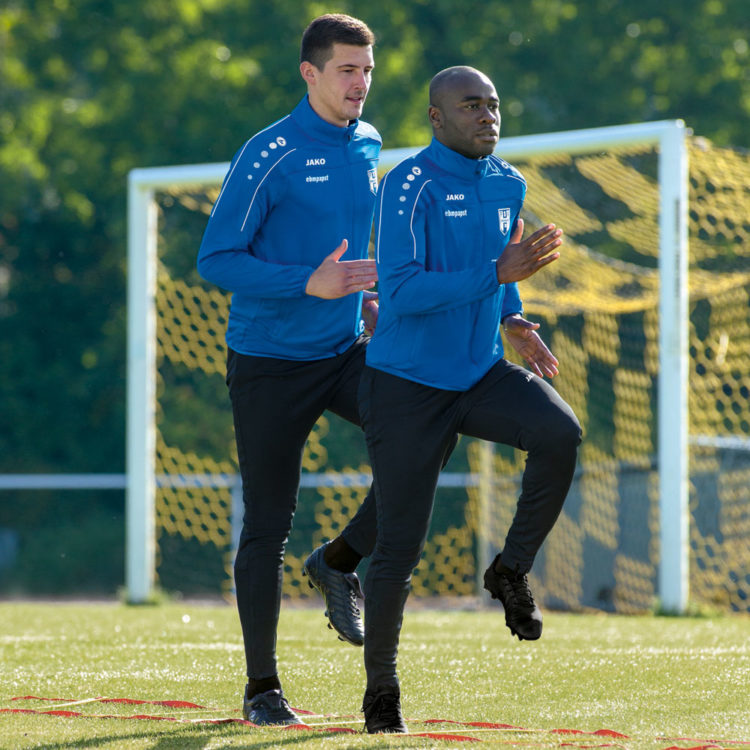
(441, 222)
(293, 192)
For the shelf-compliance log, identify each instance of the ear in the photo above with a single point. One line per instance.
(307, 71)
(436, 117)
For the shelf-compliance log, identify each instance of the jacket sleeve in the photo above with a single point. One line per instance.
(247, 196)
(511, 301)
(410, 288)
(512, 298)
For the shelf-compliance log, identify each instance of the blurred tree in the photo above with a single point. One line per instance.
(93, 88)
(565, 64)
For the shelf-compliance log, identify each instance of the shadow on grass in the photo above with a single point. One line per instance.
(195, 738)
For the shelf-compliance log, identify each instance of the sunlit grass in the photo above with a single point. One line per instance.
(645, 677)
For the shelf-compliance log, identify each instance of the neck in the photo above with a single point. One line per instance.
(320, 112)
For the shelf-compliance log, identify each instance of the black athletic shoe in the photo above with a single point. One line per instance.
(270, 707)
(340, 592)
(382, 709)
(522, 615)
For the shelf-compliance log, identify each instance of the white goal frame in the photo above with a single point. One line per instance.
(668, 135)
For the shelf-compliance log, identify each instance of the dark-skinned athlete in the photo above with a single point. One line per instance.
(449, 254)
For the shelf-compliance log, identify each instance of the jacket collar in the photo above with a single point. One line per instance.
(454, 163)
(316, 127)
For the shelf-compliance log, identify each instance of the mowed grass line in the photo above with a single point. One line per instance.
(645, 677)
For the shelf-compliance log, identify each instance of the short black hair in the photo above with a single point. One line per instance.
(330, 29)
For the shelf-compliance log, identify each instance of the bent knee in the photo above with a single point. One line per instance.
(570, 432)
(560, 433)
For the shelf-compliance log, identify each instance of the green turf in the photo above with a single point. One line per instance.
(646, 677)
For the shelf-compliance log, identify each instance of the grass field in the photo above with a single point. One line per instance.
(653, 679)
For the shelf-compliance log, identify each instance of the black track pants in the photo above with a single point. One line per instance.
(408, 428)
(275, 404)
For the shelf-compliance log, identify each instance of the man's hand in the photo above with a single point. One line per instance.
(521, 259)
(334, 278)
(522, 336)
(370, 312)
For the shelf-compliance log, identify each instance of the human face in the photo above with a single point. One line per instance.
(338, 92)
(468, 120)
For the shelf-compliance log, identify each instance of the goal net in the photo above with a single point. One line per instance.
(653, 344)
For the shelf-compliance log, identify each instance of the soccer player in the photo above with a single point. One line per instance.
(288, 235)
(449, 253)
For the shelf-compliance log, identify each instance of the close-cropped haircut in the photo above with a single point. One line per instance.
(330, 29)
(446, 78)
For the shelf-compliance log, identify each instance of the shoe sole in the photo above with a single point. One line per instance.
(289, 723)
(387, 730)
(331, 626)
(513, 631)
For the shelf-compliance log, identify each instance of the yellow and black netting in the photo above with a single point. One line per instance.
(598, 306)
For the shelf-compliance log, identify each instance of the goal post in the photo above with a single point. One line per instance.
(667, 137)
(673, 369)
(140, 540)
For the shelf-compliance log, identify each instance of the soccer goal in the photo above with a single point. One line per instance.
(652, 334)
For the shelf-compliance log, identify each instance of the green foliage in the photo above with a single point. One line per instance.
(92, 89)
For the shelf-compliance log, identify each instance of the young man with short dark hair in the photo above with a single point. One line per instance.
(288, 236)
